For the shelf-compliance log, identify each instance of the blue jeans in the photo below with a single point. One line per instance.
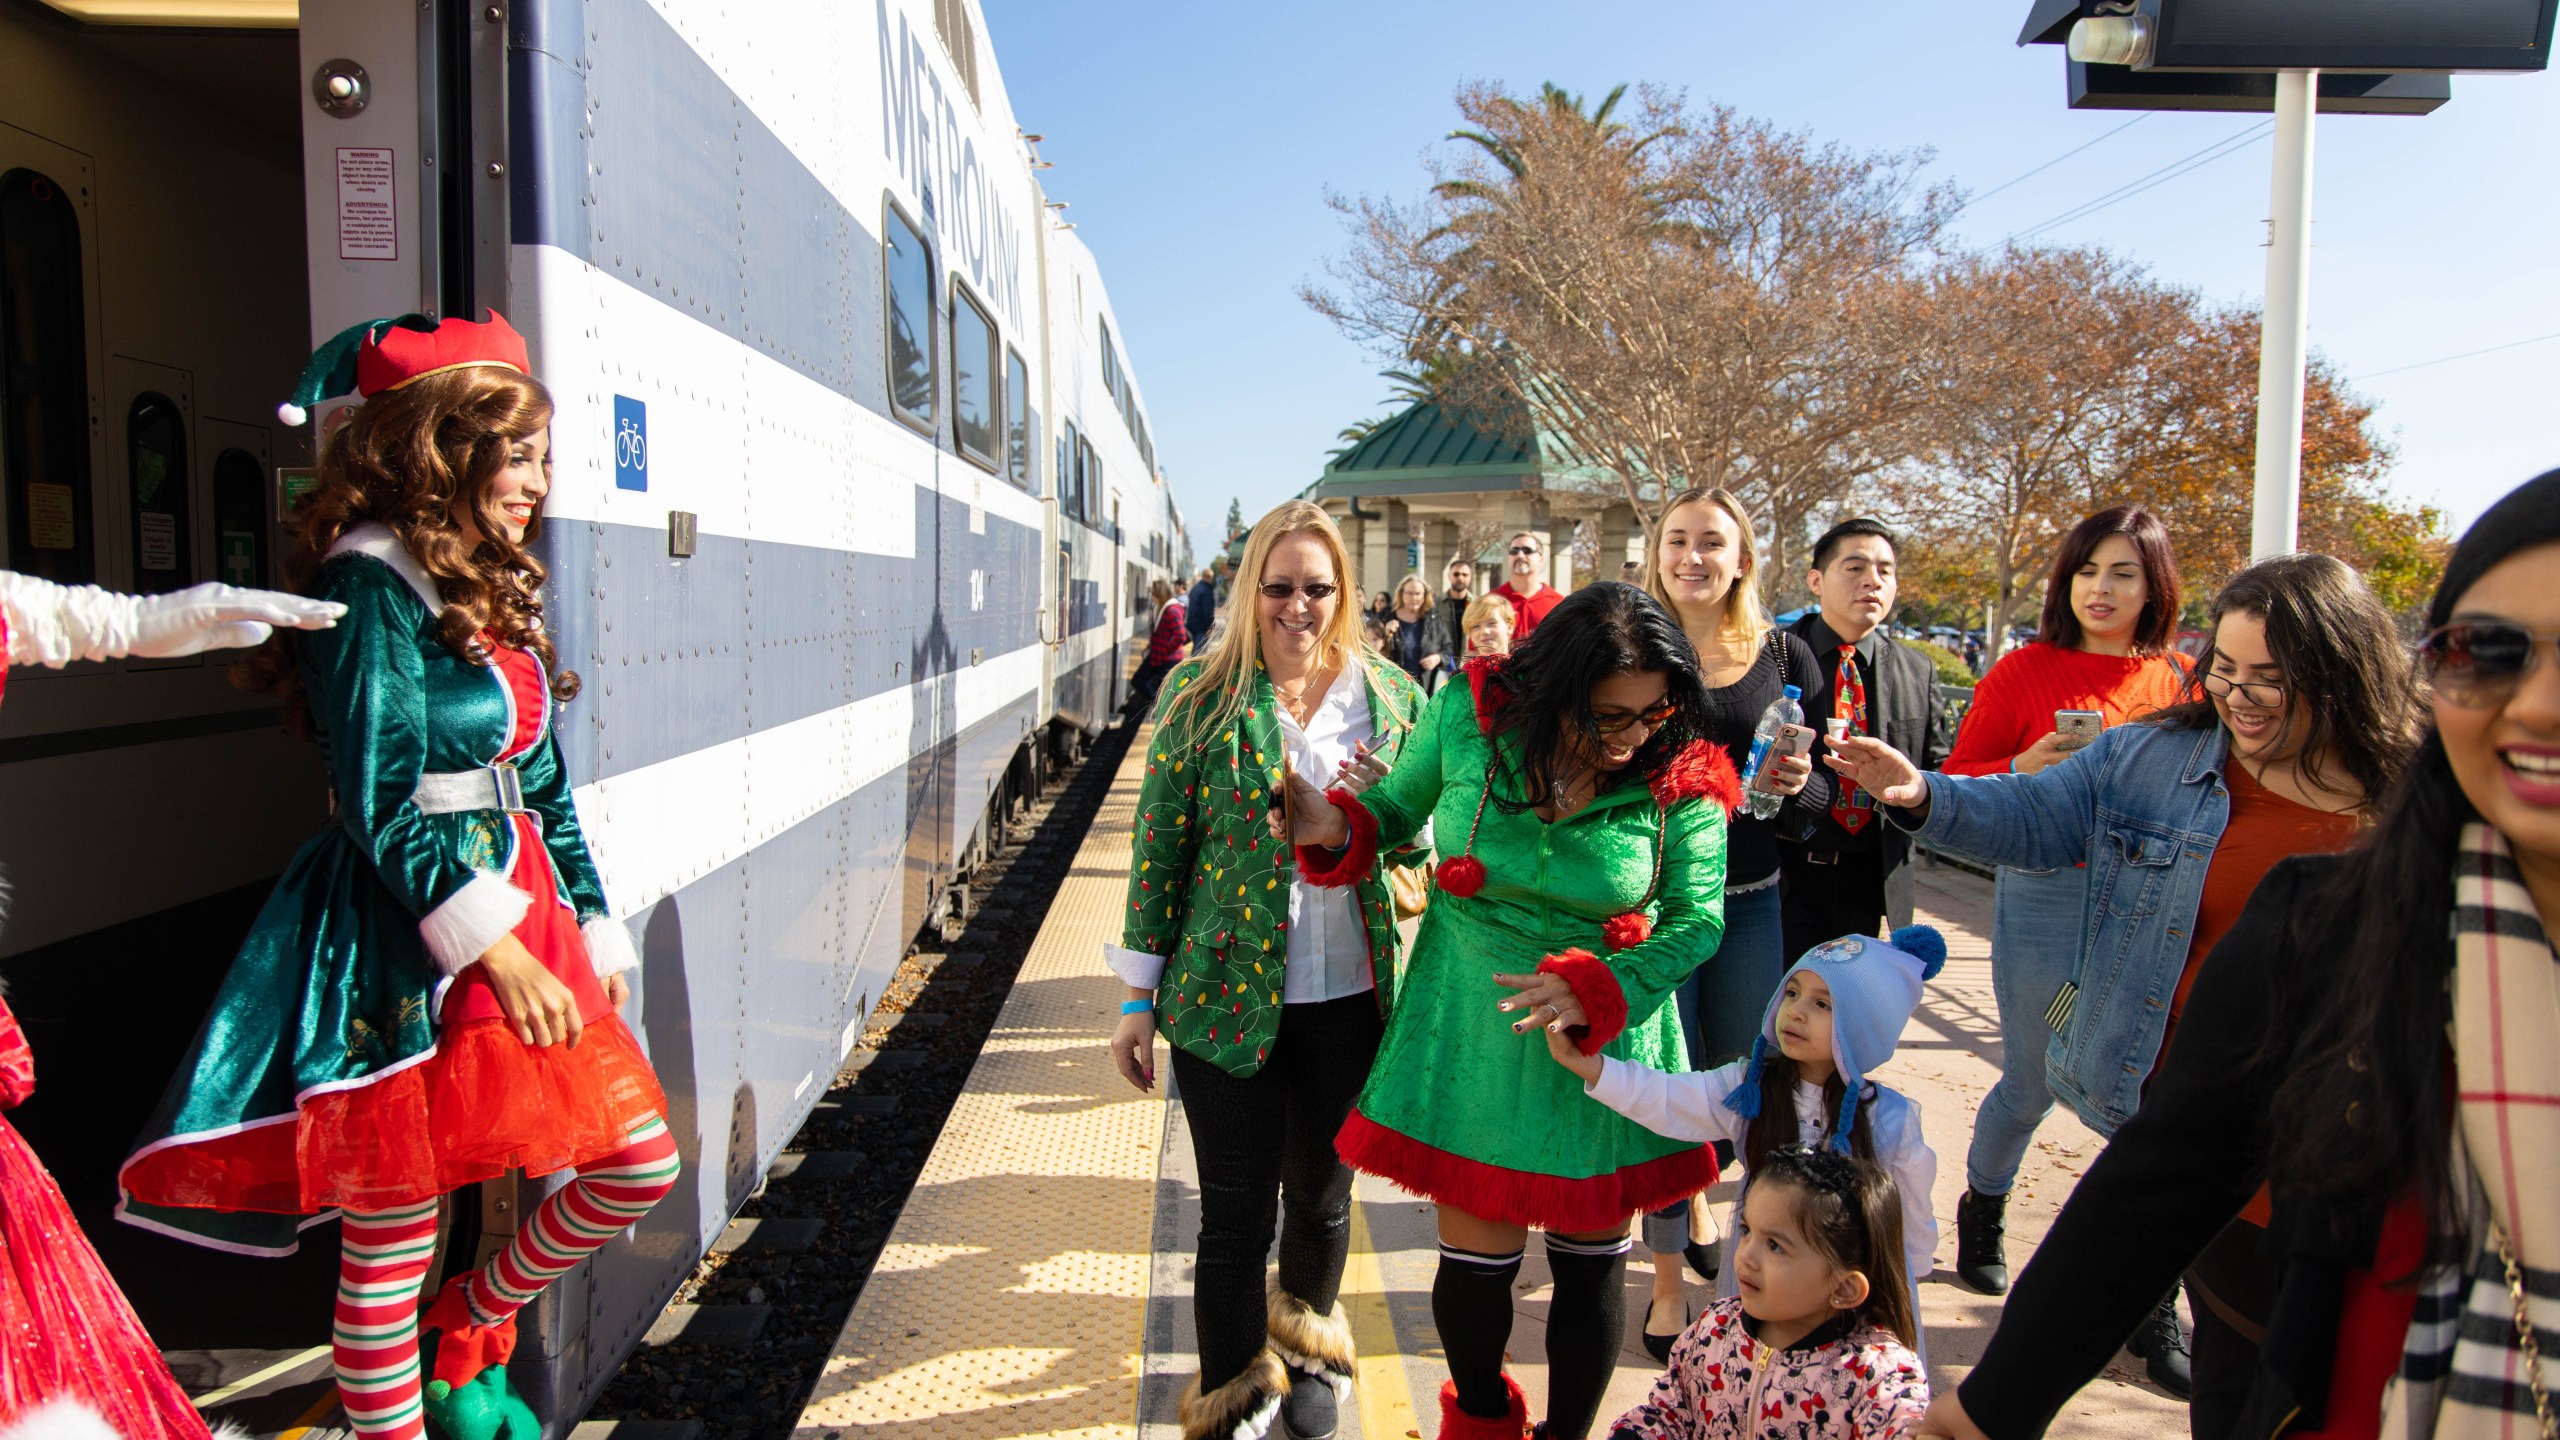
(1721, 1004)
(2036, 920)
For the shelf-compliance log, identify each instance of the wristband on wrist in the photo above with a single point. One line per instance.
(1136, 1007)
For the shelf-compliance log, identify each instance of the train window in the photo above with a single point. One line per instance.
(155, 448)
(1071, 472)
(239, 518)
(975, 419)
(44, 382)
(1089, 490)
(1110, 362)
(907, 280)
(1017, 421)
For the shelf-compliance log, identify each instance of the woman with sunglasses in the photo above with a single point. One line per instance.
(1272, 992)
(2378, 1042)
(2301, 716)
(1582, 813)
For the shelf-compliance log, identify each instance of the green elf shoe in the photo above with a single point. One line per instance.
(487, 1408)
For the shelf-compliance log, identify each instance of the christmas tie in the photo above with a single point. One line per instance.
(1849, 702)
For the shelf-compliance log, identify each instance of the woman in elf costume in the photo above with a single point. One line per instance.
(74, 1358)
(1273, 993)
(429, 997)
(1582, 816)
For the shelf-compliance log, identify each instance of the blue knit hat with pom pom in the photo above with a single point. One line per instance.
(1875, 985)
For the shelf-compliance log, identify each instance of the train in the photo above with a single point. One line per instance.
(856, 512)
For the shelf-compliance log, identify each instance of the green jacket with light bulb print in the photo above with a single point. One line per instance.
(1208, 886)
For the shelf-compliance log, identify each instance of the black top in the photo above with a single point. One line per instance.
(1202, 609)
(1900, 709)
(2172, 1177)
(1453, 618)
(1751, 846)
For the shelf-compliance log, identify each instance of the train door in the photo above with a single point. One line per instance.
(1120, 601)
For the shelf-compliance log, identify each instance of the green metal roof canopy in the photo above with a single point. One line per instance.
(1434, 449)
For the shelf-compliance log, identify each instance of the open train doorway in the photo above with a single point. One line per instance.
(154, 307)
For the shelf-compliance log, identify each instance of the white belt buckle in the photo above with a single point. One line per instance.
(510, 786)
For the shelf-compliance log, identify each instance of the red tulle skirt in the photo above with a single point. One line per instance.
(66, 1331)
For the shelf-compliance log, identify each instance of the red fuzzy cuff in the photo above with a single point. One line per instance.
(1604, 1005)
(1521, 1197)
(1320, 865)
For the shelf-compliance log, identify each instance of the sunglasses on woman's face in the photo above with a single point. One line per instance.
(1317, 591)
(2479, 663)
(1652, 719)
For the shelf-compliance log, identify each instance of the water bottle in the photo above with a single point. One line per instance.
(1782, 712)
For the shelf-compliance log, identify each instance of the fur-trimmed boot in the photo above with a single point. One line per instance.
(1316, 1350)
(1457, 1424)
(1241, 1409)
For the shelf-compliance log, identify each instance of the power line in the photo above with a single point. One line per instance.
(1973, 200)
(2218, 150)
(2449, 359)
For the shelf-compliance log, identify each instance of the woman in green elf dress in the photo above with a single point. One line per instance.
(1272, 992)
(1582, 814)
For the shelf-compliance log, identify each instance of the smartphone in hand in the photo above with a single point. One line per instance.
(1795, 740)
(2078, 727)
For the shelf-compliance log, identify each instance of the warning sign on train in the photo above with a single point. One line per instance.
(367, 228)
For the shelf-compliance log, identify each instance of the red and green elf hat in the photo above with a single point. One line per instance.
(381, 355)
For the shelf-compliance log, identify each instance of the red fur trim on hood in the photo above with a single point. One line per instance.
(1319, 865)
(1604, 1005)
(1700, 771)
(1484, 678)
(1523, 1197)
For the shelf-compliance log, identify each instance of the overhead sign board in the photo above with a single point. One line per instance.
(2372, 36)
(2120, 87)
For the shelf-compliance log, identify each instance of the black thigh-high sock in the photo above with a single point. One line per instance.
(1586, 1326)
(1471, 1305)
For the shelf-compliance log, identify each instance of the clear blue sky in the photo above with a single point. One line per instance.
(1197, 142)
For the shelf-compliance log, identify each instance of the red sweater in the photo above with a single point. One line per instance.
(1528, 610)
(2013, 706)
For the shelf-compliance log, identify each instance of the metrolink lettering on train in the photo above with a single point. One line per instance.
(920, 130)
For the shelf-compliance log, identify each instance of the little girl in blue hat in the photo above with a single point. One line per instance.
(1838, 1014)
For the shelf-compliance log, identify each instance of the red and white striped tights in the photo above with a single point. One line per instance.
(383, 1260)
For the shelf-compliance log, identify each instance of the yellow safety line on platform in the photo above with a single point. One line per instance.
(292, 1362)
(1386, 1401)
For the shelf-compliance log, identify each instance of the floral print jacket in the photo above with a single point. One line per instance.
(1842, 1382)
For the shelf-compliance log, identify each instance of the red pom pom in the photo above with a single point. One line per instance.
(1626, 931)
(1461, 875)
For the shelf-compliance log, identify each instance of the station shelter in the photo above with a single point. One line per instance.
(1432, 480)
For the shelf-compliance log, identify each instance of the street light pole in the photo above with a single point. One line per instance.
(2283, 340)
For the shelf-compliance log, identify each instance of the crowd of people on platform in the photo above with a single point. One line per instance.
(2267, 919)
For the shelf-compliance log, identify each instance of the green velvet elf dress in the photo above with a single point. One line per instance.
(1459, 1109)
(355, 1055)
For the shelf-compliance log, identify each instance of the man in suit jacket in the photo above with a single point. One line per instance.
(1844, 869)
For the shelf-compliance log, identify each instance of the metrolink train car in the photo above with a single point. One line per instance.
(855, 513)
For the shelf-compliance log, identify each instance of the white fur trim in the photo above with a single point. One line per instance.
(60, 1420)
(1135, 966)
(459, 931)
(609, 946)
(383, 543)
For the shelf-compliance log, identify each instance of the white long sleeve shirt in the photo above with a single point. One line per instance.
(1691, 1107)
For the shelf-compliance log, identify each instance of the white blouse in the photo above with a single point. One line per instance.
(1328, 944)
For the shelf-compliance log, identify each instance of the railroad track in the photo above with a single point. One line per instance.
(737, 1353)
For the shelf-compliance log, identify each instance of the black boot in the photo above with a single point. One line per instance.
(1312, 1410)
(2160, 1342)
(1982, 1257)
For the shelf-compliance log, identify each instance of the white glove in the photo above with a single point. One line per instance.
(54, 625)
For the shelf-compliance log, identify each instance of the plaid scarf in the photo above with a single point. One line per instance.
(2462, 1370)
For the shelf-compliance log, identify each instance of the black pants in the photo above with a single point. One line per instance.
(2232, 1291)
(1824, 902)
(1264, 1143)
(1142, 685)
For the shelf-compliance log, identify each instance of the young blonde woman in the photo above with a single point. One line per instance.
(1272, 992)
(1704, 567)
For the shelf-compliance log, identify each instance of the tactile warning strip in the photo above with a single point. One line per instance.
(1011, 1298)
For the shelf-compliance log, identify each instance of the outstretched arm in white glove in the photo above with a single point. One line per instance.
(53, 625)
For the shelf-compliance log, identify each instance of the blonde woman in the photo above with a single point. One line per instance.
(1273, 993)
(1488, 626)
(1704, 566)
(1417, 643)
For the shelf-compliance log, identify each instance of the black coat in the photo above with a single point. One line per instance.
(1902, 709)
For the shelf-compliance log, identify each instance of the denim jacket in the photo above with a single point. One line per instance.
(2143, 807)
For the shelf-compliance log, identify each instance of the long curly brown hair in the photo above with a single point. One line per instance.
(418, 459)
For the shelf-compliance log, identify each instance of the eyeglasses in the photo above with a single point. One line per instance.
(2478, 663)
(1652, 719)
(1317, 591)
(2256, 692)
(1524, 549)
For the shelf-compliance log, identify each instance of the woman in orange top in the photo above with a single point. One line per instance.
(2110, 610)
